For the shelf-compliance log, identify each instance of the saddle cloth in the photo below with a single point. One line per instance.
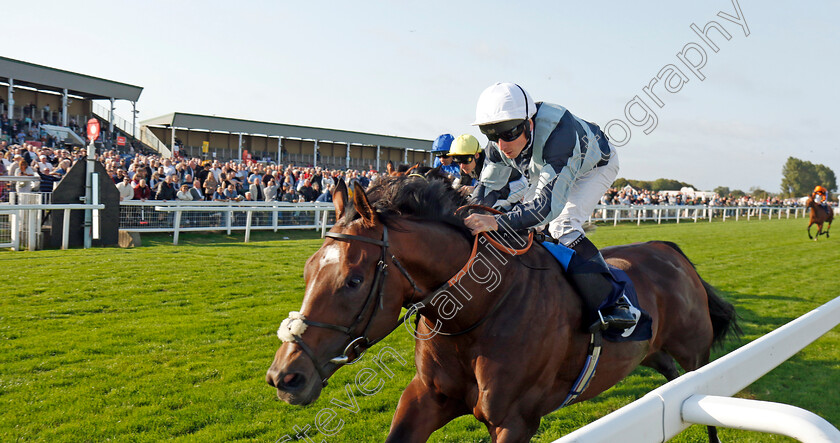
(622, 287)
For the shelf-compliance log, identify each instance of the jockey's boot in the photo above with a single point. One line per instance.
(589, 273)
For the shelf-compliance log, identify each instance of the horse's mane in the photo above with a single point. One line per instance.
(428, 198)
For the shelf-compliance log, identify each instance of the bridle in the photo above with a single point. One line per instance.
(359, 344)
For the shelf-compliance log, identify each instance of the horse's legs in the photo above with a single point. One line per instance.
(515, 429)
(420, 412)
(809, 230)
(663, 364)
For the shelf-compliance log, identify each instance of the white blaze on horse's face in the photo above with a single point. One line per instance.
(332, 255)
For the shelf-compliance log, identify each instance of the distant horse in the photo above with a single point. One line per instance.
(819, 216)
(513, 350)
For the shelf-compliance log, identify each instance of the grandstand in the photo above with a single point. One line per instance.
(62, 101)
(230, 138)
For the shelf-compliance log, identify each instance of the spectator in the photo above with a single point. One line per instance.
(307, 192)
(231, 194)
(126, 191)
(219, 195)
(184, 193)
(142, 192)
(256, 189)
(288, 196)
(166, 189)
(195, 191)
(271, 191)
(47, 180)
(210, 184)
(326, 196)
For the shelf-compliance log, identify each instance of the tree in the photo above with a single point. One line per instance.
(737, 193)
(800, 177)
(620, 183)
(758, 193)
(827, 178)
(722, 191)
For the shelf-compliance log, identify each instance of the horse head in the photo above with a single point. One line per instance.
(355, 289)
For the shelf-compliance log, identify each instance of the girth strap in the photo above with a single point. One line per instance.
(588, 371)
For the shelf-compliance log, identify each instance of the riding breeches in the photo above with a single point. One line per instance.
(584, 195)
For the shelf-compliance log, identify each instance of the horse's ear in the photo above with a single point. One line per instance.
(362, 206)
(434, 172)
(339, 198)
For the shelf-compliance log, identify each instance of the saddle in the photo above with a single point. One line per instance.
(622, 287)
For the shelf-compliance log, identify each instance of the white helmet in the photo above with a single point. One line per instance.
(502, 102)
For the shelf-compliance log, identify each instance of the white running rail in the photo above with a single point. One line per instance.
(702, 396)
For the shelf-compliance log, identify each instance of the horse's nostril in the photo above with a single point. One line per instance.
(292, 382)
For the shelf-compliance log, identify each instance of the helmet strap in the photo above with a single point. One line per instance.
(527, 118)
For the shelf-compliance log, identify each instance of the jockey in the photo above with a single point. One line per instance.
(440, 149)
(820, 196)
(466, 153)
(569, 165)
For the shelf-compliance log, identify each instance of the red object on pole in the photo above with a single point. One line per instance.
(93, 129)
(120, 141)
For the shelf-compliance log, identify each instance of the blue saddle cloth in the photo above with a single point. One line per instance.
(622, 286)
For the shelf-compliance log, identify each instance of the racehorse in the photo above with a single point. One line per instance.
(512, 351)
(819, 216)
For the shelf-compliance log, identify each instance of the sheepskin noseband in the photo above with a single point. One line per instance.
(291, 327)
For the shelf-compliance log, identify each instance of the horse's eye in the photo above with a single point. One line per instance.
(354, 282)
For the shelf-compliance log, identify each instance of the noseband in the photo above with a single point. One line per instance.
(358, 343)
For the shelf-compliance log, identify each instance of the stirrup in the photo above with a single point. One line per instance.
(619, 324)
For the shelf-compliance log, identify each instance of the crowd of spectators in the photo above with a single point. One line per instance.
(631, 196)
(30, 127)
(149, 177)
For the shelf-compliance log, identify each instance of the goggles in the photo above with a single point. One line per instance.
(441, 154)
(464, 159)
(508, 130)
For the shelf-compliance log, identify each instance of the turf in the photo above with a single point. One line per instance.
(167, 342)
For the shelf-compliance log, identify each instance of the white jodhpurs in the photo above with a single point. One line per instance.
(584, 195)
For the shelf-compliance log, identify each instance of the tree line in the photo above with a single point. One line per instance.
(799, 178)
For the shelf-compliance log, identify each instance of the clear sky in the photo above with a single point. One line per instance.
(415, 69)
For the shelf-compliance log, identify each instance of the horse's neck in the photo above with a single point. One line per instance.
(498, 285)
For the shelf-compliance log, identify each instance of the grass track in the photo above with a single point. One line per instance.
(172, 343)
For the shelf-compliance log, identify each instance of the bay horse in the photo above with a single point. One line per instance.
(522, 342)
(819, 216)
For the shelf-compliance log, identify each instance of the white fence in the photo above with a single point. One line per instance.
(702, 396)
(177, 217)
(658, 213)
(180, 216)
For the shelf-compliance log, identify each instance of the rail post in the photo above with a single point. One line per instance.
(65, 230)
(248, 218)
(176, 226)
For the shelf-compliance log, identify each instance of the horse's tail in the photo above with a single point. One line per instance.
(723, 315)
